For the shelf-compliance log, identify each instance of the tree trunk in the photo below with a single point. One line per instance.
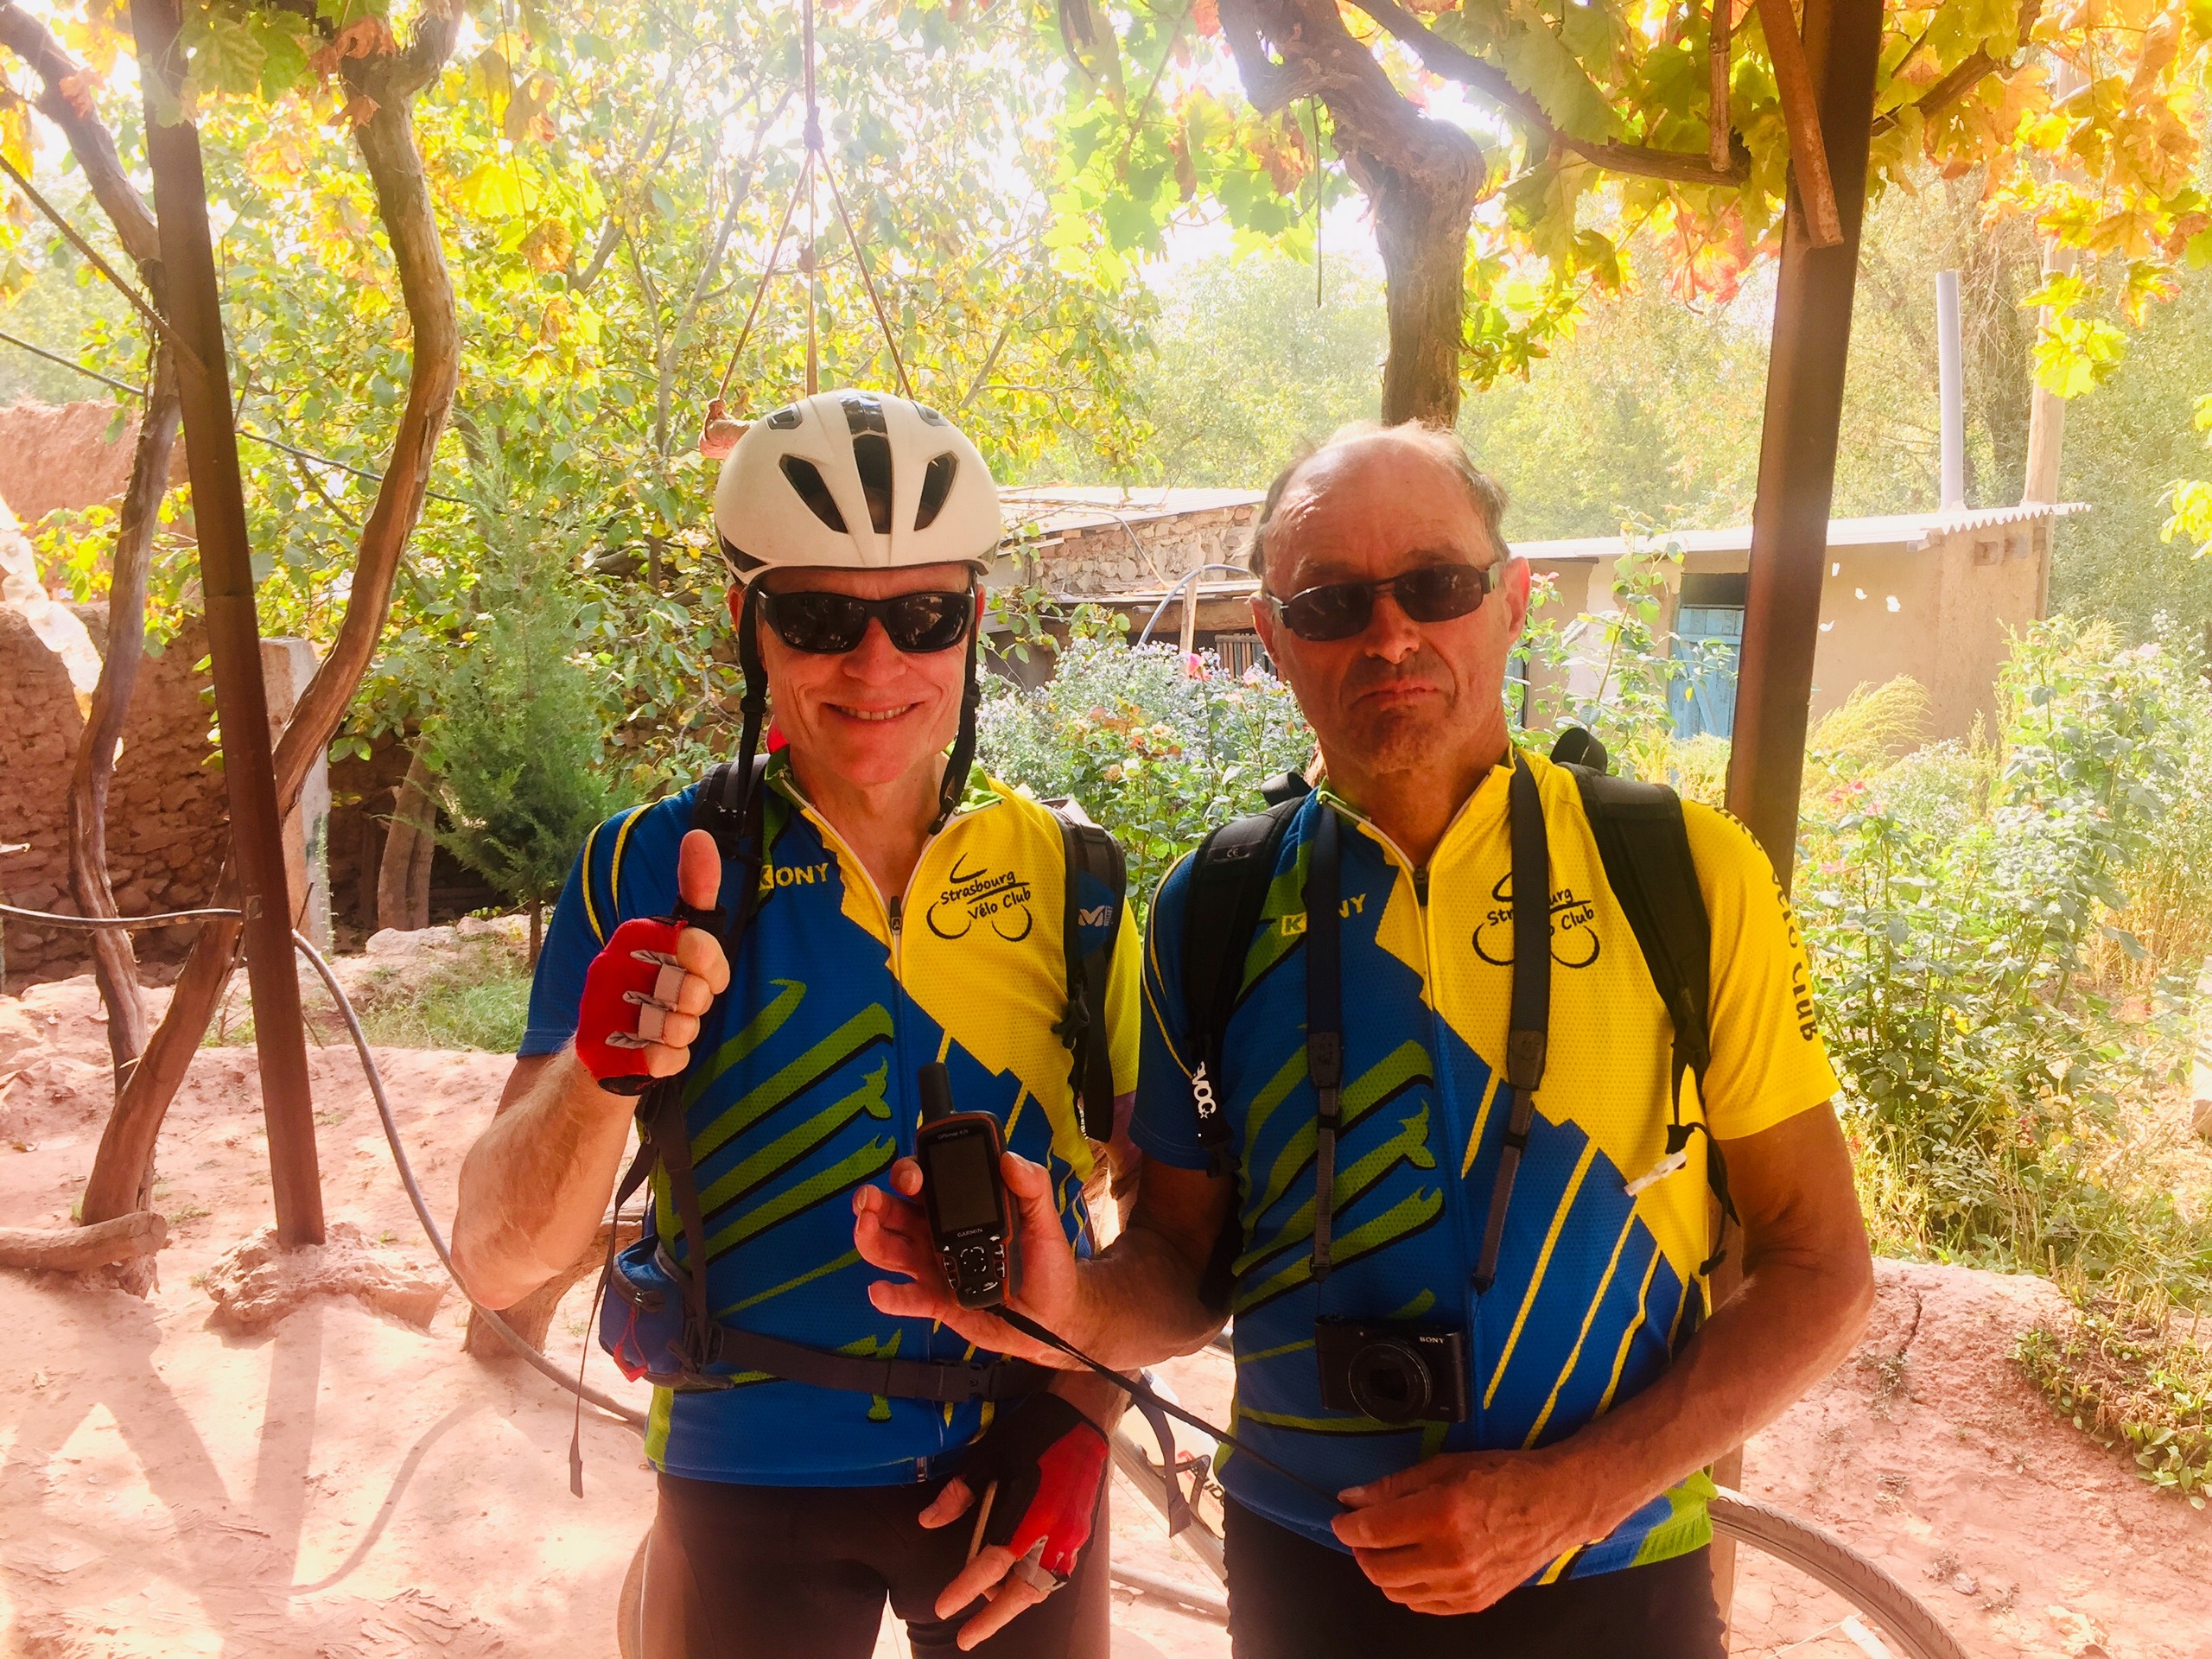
(124, 1160)
(64, 101)
(1421, 176)
(115, 964)
(1422, 222)
(74, 1249)
(403, 875)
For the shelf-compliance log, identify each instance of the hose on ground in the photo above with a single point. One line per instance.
(507, 1333)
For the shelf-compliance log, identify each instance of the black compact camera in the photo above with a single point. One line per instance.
(970, 1221)
(1393, 1370)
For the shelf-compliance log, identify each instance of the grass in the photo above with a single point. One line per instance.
(2133, 1381)
(476, 998)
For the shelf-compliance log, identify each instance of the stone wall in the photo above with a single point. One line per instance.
(166, 809)
(1119, 557)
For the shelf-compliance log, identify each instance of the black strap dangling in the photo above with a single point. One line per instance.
(1325, 1022)
(1528, 1025)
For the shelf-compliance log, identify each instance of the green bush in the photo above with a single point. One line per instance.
(1155, 754)
(1956, 902)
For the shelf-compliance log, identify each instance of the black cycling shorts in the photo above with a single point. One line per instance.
(1290, 1597)
(763, 1572)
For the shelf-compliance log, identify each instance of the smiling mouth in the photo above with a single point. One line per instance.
(874, 716)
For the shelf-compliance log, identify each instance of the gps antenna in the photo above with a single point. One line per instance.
(935, 1085)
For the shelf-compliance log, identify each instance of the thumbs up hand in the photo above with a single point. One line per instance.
(646, 990)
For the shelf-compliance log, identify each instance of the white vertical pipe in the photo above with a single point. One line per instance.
(1951, 377)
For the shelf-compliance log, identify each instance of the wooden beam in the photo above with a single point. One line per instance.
(1804, 408)
(1804, 112)
(211, 446)
(1789, 520)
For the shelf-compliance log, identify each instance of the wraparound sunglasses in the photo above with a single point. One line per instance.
(826, 624)
(1342, 610)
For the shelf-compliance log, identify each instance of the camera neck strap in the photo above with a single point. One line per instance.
(1529, 1024)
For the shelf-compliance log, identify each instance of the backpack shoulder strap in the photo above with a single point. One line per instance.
(1095, 886)
(1644, 846)
(1230, 874)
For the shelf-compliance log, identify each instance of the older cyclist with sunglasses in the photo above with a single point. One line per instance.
(1470, 1285)
(903, 912)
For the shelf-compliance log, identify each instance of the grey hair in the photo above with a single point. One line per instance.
(1486, 494)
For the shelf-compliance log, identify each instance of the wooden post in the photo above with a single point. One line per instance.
(2047, 410)
(1789, 521)
(1804, 405)
(233, 632)
(1188, 637)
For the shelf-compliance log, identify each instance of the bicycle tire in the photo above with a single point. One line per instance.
(630, 1606)
(1818, 1554)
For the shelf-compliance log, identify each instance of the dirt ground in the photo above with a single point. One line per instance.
(351, 1487)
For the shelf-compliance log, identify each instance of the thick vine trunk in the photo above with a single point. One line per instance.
(65, 100)
(395, 166)
(1422, 222)
(403, 871)
(115, 964)
(1422, 176)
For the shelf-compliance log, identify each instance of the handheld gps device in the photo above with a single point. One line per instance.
(970, 1221)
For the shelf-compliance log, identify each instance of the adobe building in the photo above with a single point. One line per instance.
(1935, 595)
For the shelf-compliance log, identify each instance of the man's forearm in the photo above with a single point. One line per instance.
(535, 1187)
(1789, 1325)
(1140, 1302)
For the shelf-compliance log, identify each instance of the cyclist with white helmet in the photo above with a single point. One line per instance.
(887, 909)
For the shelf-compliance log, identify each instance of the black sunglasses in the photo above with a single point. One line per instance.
(829, 624)
(1342, 610)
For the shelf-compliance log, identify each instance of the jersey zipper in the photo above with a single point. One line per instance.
(1461, 1126)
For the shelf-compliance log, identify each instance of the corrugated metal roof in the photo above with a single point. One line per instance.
(1062, 509)
(1910, 531)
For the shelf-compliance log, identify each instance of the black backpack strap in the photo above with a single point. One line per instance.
(1230, 874)
(1325, 1022)
(1089, 851)
(1644, 847)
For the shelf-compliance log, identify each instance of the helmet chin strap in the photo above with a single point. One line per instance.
(755, 705)
(964, 746)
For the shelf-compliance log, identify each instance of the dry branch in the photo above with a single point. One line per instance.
(1716, 65)
(394, 167)
(75, 1250)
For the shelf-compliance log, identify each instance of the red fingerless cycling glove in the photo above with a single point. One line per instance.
(1048, 1461)
(628, 989)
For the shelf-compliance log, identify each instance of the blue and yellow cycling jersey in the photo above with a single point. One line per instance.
(801, 1088)
(1595, 1289)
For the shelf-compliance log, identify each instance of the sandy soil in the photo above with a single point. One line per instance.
(348, 1486)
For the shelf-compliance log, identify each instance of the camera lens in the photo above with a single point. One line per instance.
(1387, 1380)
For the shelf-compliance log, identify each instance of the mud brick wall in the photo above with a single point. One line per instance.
(167, 809)
(1145, 553)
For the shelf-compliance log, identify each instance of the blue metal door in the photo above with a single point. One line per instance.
(1708, 638)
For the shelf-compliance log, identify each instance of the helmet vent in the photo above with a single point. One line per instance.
(806, 478)
(930, 416)
(872, 455)
(863, 413)
(937, 483)
(784, 419)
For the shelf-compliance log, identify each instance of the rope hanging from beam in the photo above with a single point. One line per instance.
(815, 169)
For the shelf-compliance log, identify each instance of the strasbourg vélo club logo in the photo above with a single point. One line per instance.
(977, 895)
(1574, 937)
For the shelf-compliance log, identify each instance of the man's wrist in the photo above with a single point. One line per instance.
(1606, 1491)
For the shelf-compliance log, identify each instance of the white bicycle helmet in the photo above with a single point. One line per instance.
(854, 480)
